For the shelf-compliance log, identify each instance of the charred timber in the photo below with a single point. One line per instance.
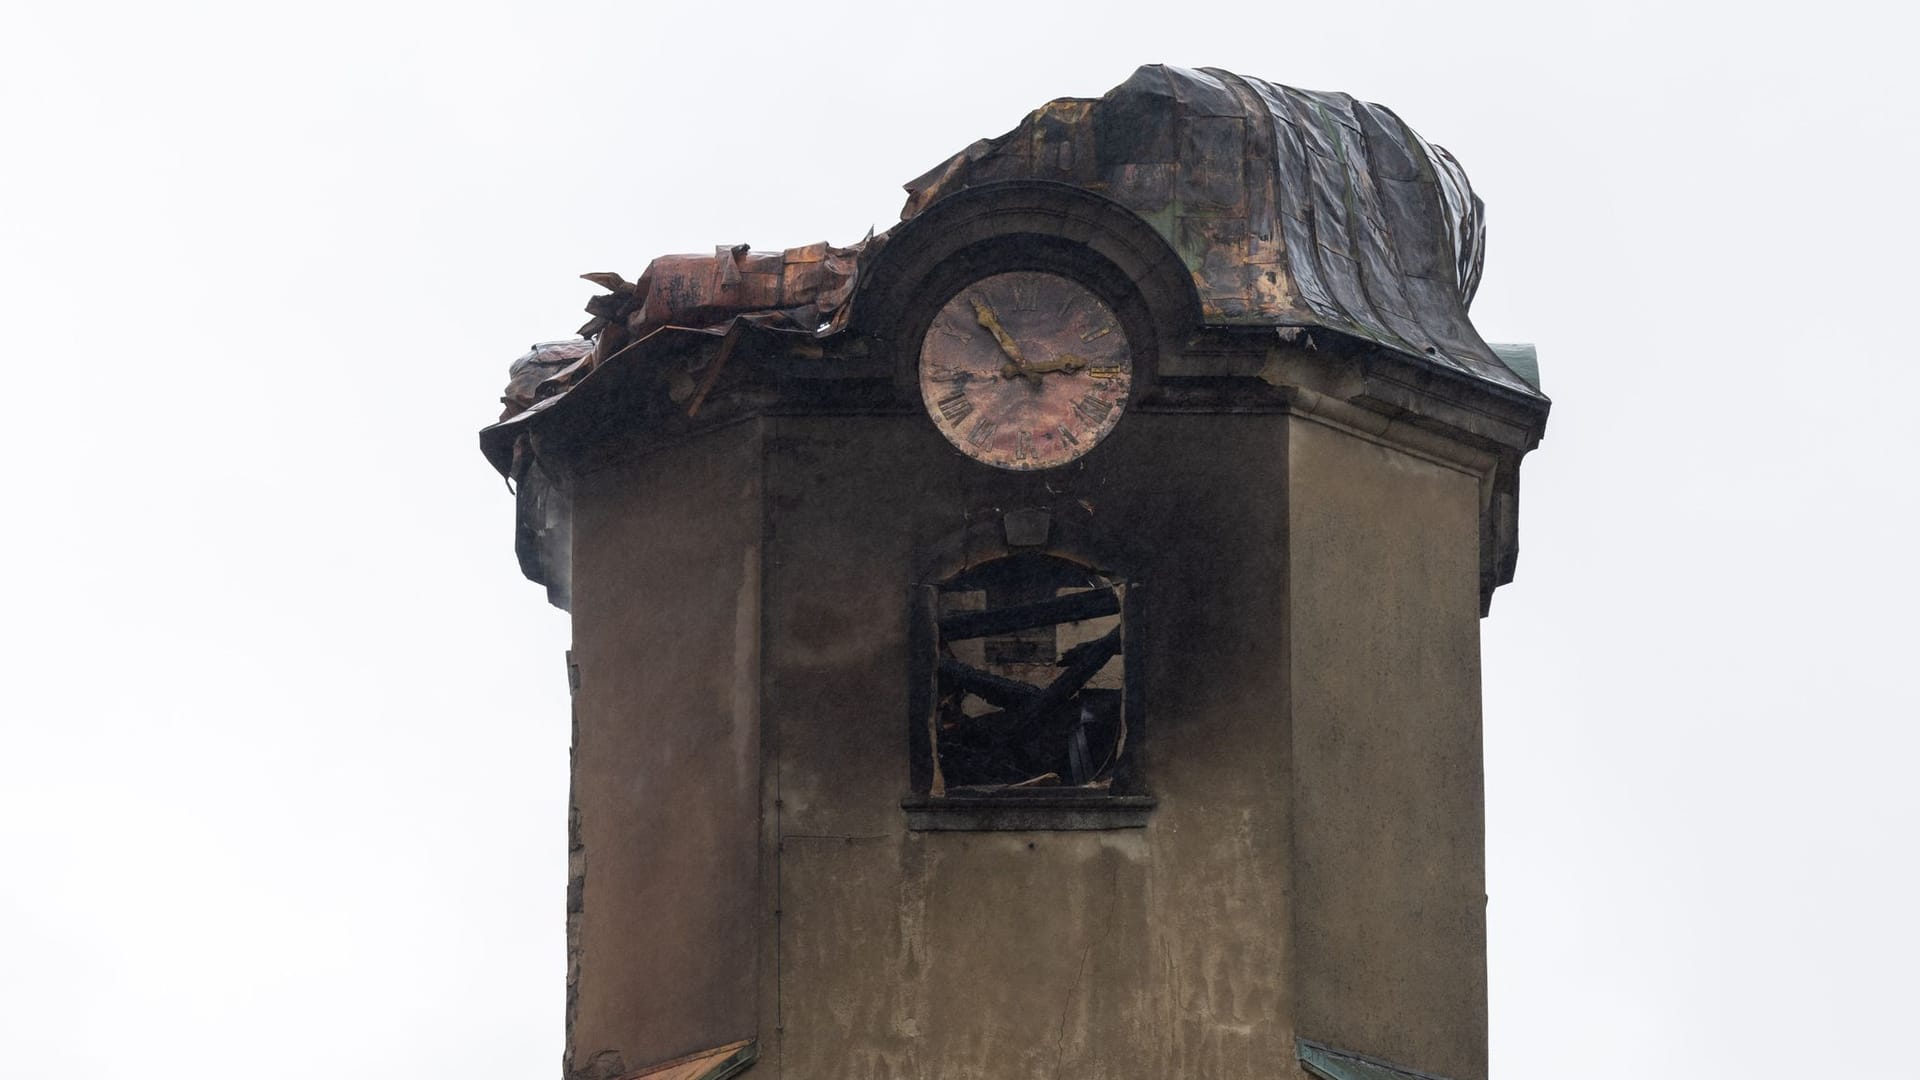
(985, 685)
(1059, 609)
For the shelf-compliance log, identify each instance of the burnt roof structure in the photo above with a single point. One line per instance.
(1241, 204)
(1289, 207)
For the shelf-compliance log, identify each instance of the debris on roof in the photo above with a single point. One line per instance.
(1292, 209)
(1289, 207)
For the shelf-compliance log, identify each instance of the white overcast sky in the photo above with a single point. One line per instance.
(283, 740)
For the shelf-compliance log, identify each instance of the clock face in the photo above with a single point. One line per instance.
(1025, 370)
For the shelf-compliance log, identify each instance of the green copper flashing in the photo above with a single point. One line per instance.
(1521, 359)
(1329, 1064)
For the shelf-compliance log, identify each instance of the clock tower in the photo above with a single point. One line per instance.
(1041, 639)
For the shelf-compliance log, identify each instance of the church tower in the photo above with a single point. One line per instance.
(1041, 639)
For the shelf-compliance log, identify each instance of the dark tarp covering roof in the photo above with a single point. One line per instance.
(1290, 207)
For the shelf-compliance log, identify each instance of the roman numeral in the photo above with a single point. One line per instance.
(1093, 335)
(982, 432)
(946, 329)
(1025, 296)
(1105, 371)
(955, 406)
(1023, 446)
(1067, 435)
(1093, 408)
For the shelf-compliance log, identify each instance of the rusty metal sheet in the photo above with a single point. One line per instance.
(715, 1064)
(803, 289)
(1289, 208)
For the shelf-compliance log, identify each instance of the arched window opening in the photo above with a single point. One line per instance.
(1026, 669)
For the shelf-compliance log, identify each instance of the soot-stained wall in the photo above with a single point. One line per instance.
(1078, 954)
(1313, 866)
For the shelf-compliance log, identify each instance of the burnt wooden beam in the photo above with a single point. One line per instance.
(993, 689)
(1082, 663)
(1072, 607)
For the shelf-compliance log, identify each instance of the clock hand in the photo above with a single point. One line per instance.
(1066, 362)
(988, 319)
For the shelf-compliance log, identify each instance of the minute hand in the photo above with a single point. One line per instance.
(1066, 362)
(988, 319)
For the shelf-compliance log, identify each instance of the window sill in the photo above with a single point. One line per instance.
(1052, 812)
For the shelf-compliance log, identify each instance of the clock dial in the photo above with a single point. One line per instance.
(1025, 370)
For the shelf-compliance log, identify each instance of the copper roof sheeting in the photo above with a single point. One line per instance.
(1289, 208)
(1253, 204)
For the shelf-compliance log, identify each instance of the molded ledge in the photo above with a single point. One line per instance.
(1034, 813)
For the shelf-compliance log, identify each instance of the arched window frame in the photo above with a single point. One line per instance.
(1118, 797)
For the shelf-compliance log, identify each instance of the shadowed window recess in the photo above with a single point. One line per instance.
(1025, 690)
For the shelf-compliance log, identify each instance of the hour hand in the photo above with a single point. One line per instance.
(986, 317)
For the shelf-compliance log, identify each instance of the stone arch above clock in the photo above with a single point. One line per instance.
(1026, 224)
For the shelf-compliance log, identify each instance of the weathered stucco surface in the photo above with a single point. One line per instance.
(1158, 951)
(667, 752)
(1314, 866)
(1384, 640)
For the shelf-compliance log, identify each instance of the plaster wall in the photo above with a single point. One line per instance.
(667, 751)
(1148, 952)
(1389, 920)
(1314, 865)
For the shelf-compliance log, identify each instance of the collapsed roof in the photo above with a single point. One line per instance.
(1286, 208)
(1291, 208)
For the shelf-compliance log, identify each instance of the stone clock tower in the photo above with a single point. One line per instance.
(1042, 639)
